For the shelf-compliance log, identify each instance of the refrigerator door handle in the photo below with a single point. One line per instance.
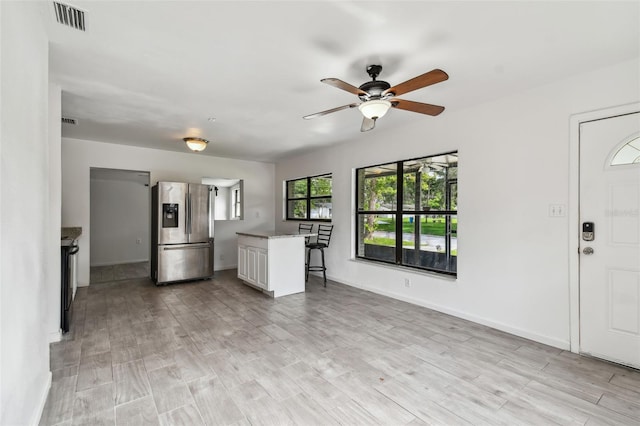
(187, 213)
(190, 213)
(188, 247)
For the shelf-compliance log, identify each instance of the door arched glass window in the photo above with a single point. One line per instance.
(629, 153)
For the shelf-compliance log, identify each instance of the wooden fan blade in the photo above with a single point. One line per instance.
(417, 107)
(367, 124)
(344, 86)
(424, 80)
(329, 111)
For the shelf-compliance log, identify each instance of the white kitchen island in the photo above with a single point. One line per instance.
(272, 262)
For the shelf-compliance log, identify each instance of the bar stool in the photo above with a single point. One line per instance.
(322, 242)
(305, 228)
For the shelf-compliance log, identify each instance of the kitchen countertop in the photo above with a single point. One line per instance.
(272, 234)
(69, 234)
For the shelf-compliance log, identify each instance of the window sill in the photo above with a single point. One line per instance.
(405, 269)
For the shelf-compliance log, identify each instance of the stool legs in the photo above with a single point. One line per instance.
(322, 268)
(306, 266)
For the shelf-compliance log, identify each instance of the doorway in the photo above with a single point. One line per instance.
(608, 237)
(119, 224)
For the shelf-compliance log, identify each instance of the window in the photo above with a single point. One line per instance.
(309, 198)
(407, 213)
(236, 202)
(628, 154)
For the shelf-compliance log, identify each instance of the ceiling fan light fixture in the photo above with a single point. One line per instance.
(374, 108)
(196, 144)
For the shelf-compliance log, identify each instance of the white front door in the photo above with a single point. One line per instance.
(610, 263)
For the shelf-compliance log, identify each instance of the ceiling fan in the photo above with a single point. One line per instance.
(378, 96)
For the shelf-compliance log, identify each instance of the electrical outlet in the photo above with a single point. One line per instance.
(138, 240)
(222, 257)
(407, 282)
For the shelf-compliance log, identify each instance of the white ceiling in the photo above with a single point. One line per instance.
(150, 73)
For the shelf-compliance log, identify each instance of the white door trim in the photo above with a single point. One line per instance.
(574, 210)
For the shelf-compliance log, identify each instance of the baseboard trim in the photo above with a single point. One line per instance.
(225, 267)
(123, 262)
(547, 340)
(55, 336)
(42, 402)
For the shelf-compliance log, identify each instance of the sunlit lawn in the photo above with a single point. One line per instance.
(390, 242)
(428, 225)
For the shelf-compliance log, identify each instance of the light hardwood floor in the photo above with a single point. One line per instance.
(219, 353)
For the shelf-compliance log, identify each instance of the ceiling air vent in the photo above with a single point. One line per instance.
(69, 16)
(69, 120)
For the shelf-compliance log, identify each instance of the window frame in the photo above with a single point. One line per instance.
(236, 203)
(399, 212)
(307, 199)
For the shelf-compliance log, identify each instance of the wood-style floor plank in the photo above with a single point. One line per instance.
(59, 405)
(186, 415)
(214, 402)
(169, 390)
(94, 370)
(141, 412)
(217, 352)
(131, 381)
(95, 405)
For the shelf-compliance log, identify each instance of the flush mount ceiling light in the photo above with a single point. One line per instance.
(196, 144)
(374, 108)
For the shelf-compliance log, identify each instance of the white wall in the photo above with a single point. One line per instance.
(54, 212)
(222, 204)
(120, 215)
(28, 234)
(513, 162)
(78, 156)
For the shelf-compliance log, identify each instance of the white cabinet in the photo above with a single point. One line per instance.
(242, 262)
(253, 265)
(272, 264)
(262, 280)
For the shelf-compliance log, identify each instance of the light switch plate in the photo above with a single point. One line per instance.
(557, 210)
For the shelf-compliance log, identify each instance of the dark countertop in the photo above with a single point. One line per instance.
(69, 234)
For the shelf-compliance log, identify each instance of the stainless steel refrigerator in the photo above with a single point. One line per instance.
(182, 232)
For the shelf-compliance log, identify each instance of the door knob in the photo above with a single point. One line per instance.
(587, 250)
